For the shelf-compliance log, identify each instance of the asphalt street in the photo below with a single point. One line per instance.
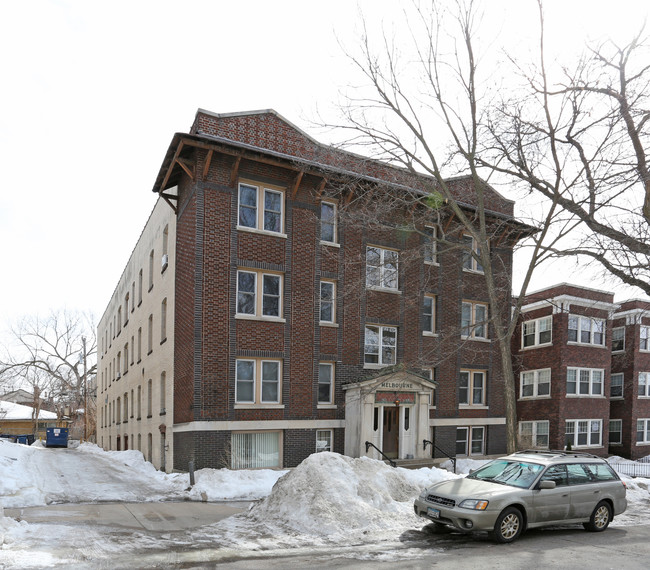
(145, 516)
(568, 548)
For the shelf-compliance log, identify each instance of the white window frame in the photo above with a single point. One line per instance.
(472, 388)
(470, 263)
(579, 382)
(257, 381)
(326, 444)
(380, 331)
(324, 300)
(539, 377)
(643, 385)
(259, 295)
(577, 428)
(535, 328)
(260, 208)
(616, 331)
(429, 317)
(431, 245)
(644, 424)
(644, 338)
(387, 277)
(612, 385)
(535, 432)
(474, 329)
(332, 371)
(618, 423)
(333, 223)
(592, 329)
(471, 433)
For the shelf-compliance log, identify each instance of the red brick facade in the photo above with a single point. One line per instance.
(587, 353)
(207, 165)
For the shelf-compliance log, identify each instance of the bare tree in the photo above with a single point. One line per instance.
(54, 356)
(440, 90)
(579, 138)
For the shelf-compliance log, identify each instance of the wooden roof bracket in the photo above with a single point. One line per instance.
(206, 165)
(168, 198)
(234, 173)
(451, 219)
(171, 166)
(187, 166)
(321, 187)
(296, 184)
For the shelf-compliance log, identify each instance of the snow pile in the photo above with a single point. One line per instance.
(330, 494)
(35, 476)
(224, 484)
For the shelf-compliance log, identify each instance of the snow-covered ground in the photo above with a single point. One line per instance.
(329, 501)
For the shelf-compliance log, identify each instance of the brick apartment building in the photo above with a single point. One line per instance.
(296, 330)
(563, 352)
(629, 424)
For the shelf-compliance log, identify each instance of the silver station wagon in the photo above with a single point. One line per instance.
(527, 489)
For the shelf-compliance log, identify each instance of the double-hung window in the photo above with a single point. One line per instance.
(327, 302)
(644, 336)
(615, 432)
(536, 332)
(380, 347)
(586, 330)
(644, 385)
(533, 434)
(469, 440)
(323, 440)
(325, 382)
(618, 339)
(257, 381)
(431, 244)
(259, 294)
(328, 229)
(616, 386)
(584, 433)
(261, 208)
(474, 320)
(643, 431)
(471, 388)
(535, 383)
(584, 381)
(429, 314)
(381, 268)
(471, 254)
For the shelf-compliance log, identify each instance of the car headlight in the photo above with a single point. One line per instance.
(474, 504)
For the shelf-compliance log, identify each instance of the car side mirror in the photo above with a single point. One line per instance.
(547, 485)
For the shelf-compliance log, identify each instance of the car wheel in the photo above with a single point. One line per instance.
(509, 525)
(600, 518)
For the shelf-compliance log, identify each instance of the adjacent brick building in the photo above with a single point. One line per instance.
(629, 431)
(584, 372)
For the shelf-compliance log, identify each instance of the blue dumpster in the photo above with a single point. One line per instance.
(27, 439)
(56, 437)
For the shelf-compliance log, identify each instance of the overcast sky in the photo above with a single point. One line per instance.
(92, 93)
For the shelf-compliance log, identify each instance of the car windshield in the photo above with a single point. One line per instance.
(515, 473)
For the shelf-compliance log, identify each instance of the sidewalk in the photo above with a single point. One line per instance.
(146, 516)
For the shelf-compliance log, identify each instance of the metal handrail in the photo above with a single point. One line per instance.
(390, 461)
(426, 442)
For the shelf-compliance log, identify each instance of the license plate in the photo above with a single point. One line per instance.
(433, 513)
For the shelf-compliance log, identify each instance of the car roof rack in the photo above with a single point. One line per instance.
(556, 453)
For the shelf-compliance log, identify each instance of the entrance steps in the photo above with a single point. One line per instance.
(420, 463)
